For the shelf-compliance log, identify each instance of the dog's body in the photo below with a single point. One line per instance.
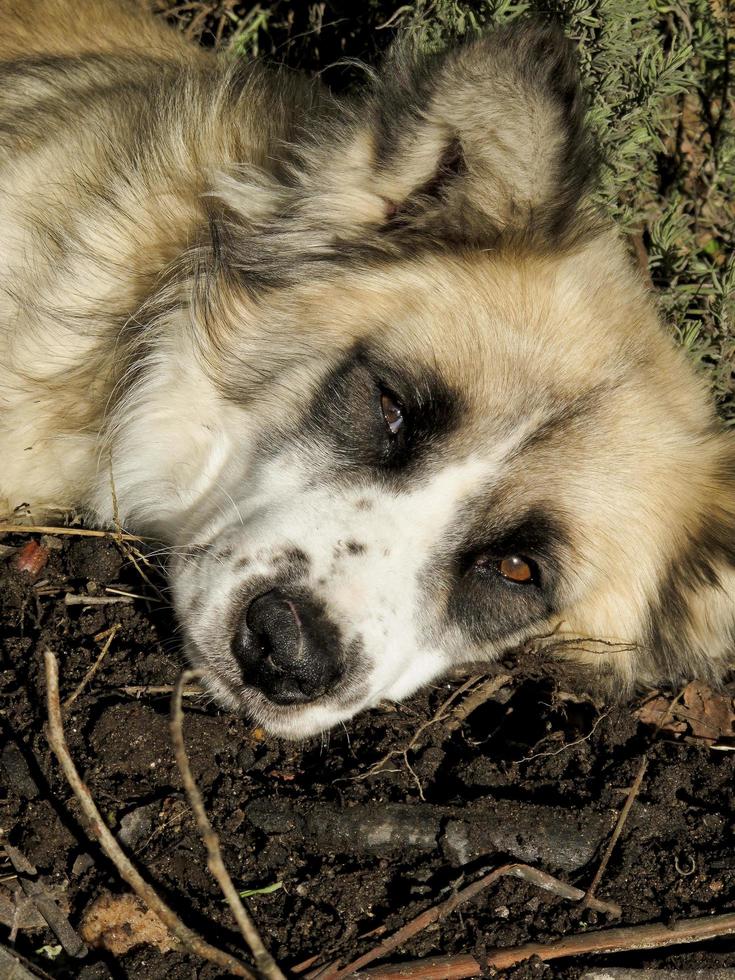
(393, 396)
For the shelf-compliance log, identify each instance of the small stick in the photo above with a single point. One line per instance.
(80, 532)
(482, 693)
(535, 877)
(99, 831)
(634, 790)
(136, 690)
(421, 922)
(619, 940)
(622, 818)
(131, 553)
(551, 884)
(440, 715)
(263, 959)
(94, 668)
(96, 600)
(130, 595)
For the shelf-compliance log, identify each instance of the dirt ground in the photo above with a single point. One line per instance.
(341, 836)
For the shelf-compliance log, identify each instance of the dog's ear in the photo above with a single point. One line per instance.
(691, 626)
(480, 145)
(484, 141)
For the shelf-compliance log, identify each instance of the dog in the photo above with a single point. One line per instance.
(373, 368)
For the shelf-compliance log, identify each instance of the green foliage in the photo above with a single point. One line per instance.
(660, 82)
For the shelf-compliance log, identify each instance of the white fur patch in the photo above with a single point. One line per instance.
(365, 551)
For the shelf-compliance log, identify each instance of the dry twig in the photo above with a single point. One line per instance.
(134, 555)
(100, 832)
(264, 961)
(621, 821)
(620, 940)
(137, 690)
(75, 532)
(479, 693)
(477, 697)
(535, 877)
(111, 633)
(14, 967)
(623, 817)
(96, 600)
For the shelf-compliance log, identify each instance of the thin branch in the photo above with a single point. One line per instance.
(13, 966)
(477, 697)
(264, 961)
(79, 532)
(137, 690)
(621, 821)
(100, 832)
(94, 668)
(96, 600)
(620, 940)
(625, 811)
(442, 713)
(532, 875)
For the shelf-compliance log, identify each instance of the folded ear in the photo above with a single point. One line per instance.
(485, 142)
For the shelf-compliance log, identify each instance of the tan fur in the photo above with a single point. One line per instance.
(175, 270)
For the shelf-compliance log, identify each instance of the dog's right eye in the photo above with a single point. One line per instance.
(392, 412)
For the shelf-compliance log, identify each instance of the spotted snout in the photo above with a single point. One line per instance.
(287, 648)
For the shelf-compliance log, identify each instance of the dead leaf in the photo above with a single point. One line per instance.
(709, 713)
(655, 712)
(701, 712)
(119, 922)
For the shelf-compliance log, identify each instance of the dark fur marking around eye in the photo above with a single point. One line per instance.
(345, 413)
(489, 608)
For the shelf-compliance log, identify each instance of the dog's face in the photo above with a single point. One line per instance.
(456, 455)
(430, 415)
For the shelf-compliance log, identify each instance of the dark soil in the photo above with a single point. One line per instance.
(520, 778)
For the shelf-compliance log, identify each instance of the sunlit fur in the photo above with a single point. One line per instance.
(190, 249)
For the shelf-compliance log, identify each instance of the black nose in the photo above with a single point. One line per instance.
(288, 648)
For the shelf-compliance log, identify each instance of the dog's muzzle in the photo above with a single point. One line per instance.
(287, 648)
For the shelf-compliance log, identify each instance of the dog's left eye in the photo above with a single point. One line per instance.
(517, 569)
(514, 568)
(392, 412)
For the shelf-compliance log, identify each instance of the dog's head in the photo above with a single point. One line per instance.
(430, 413)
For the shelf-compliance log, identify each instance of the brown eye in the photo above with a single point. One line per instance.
(516, 569)
(392, 413)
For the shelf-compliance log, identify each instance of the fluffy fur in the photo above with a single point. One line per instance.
(211, 273)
